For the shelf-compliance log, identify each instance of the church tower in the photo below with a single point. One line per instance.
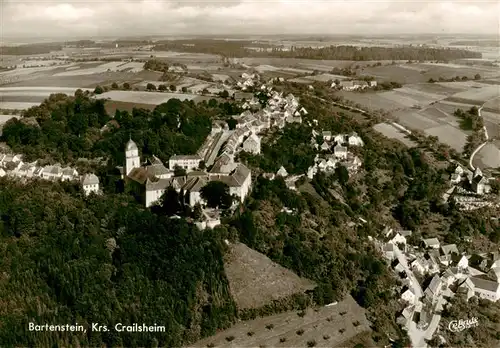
(132, 159)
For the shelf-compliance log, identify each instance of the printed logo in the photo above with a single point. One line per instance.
(461, 325)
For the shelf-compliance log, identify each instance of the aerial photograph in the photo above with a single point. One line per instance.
(250, 173)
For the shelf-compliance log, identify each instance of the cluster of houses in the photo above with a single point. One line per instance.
(152, 178)
(353, 85)
(13, 165)
(334, 151)
(469, 188)
(432, 273)
(248, 80)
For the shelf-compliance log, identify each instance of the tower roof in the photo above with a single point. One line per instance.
(130, 145)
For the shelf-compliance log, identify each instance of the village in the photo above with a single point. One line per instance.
(469, 189)
(431, 274)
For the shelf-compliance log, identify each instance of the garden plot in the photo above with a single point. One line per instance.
(296, 70)
(325, 77)
(491, 116)
(482, 94)
(397, 73)
(493, 104)
(461, 85)
(6, 92)
(16, 105)
(420, 97)
(414, 120)
(5, 118)
(220, 77)
(261, 68)
(151, 98)
(449, 135)
(436, 88)
(110, 66)
(300, 80)
(200, 87)
(132, 67)
(392, 132)
(330, 326)
(373, 101)
(405, 100)
(489, 156)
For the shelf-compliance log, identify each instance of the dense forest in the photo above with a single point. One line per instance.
(30, 49)
(68, 128)
(103, 259)
(248, 49)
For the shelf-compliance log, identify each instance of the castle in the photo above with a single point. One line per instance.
(155, 178)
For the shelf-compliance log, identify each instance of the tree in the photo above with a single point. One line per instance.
(205, 91)
(170, 202)
(232, 123)
(184, 89)
(216, 194)
(98, 90)
(342, 174)
(126, 86)
(477, 77)
(224, 94)
(172, 88)
(150, 87)
(162, 87)
(114, 85)
(179, 171)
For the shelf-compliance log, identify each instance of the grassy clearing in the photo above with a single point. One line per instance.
(255, 280)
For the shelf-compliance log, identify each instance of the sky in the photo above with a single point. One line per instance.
(94, 18)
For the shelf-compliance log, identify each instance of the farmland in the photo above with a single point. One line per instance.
(330, 326)
(153, 98)
(429, 107)
(392, 132)
(422, 72)
(488, 156)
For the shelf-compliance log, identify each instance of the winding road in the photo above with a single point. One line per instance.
(483, 144)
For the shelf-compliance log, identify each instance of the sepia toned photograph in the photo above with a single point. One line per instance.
(250, 173)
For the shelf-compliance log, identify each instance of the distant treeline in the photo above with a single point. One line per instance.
(110, 44)
(480, 43)
(30, 49)
(251, 49)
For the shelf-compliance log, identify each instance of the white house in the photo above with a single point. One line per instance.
(463, 264)
(90, 183)
(420, 265)
(187, 162)
(327, 135)
(355, 140)
(325, 146)
(282, 172)
(339, 139)
(398, 238)
(388, 250)
(486, 289)
(449, 249)
(340, 151)
(252, 144)
(408, 296)
(434, 288)
(431, 243)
